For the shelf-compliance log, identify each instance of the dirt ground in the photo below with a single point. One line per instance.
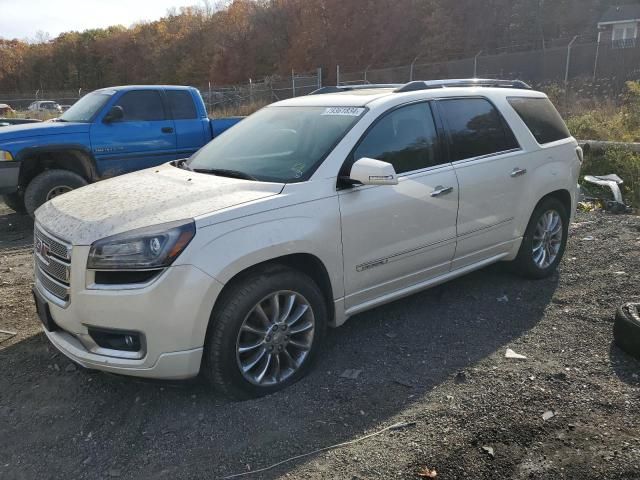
(435, 360)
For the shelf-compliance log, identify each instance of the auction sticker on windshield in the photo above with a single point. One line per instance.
(348, 111)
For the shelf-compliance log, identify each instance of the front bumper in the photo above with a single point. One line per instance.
(9, 173)
(174, 365)
(171, 313)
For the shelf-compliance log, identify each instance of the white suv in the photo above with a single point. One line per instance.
(44, 106)
(234, 262)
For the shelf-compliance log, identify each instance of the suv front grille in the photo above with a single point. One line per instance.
(52, 258)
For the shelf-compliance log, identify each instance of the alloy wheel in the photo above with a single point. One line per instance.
(275, 338)
(547, 239)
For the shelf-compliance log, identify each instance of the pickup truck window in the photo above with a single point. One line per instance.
(278, 144)
(181, 105)
(406, 138)
(142, 106)
(86, 108)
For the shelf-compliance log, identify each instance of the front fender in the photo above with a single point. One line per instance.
(225, 250)
(76, 157)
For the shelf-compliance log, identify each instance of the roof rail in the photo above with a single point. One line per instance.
(461, 82)
(347, 88)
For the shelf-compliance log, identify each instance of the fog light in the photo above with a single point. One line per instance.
(116, 340)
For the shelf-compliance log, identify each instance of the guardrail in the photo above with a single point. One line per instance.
(599, 146)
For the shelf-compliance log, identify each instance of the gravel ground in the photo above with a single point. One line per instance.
(435, 360)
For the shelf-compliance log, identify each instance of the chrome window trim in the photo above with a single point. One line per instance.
(489, 155)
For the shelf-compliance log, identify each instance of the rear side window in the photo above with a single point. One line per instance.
(181, 104)
(142, 106)
(475, 128)
(541, 117)
(405, 138)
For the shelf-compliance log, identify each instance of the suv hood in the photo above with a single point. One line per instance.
(26, 130)
(145, 198)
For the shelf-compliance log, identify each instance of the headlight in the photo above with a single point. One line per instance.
(5, 156)
(144, 248)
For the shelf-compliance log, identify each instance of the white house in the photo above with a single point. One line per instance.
(619, 26)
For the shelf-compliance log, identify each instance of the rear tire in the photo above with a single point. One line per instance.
(15, 202)
(50, 184)
(541, 250)
(237, 325)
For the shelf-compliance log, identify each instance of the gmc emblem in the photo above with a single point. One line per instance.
(42, 249)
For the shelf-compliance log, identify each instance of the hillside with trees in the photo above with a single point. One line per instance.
(244, 39)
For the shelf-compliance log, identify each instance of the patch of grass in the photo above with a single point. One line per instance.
(39, 115)
(607, 120)
(237, 110)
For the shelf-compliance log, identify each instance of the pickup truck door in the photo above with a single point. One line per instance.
(192, 126)
(143, 138)
(397, 236)
(491, 168)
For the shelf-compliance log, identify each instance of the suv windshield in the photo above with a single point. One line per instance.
(86, 108)
(277, 144)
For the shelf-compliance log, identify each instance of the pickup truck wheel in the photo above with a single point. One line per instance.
(265, 333)
(50, 184)
(544, 241)
(15, 202)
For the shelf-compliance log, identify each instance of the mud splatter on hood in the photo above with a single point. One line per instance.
(145, 198)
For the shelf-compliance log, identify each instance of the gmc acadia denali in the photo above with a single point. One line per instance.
(234, 262)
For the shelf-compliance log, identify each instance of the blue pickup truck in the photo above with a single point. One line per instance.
(106, 133)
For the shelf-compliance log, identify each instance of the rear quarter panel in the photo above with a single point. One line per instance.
(558, 170)
(550, 167)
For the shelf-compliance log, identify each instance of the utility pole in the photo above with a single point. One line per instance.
(293, 83)
(475, 65)
(566, 73)
(365, 73)
(415, 59)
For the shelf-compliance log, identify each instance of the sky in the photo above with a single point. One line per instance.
(23, 19)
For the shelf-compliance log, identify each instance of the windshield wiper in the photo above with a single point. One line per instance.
(222, 172)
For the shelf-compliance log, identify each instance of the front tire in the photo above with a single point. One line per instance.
(265, 333)
(544, 241)
(15, 202)
(48, 185)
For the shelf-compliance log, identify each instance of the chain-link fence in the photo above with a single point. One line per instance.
(575, 67)
(234, 99)
(577, 59)
(254, 94)
(579, 67)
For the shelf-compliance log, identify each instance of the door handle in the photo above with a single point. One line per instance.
(167, 130)
(440, 190)
(517, 172)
